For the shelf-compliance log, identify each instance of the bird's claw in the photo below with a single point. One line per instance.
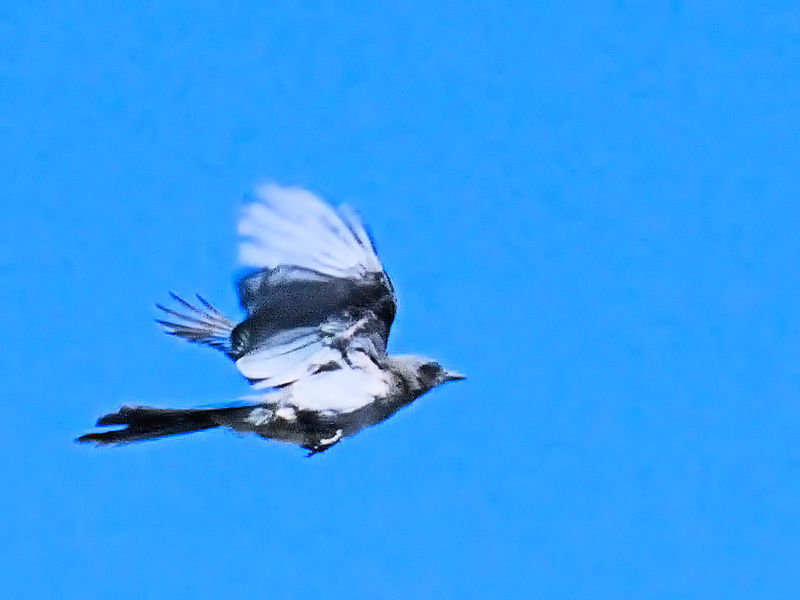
(324, 444)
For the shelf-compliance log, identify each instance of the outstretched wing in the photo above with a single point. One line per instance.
(317, 297)
(201, 325)
(292, 226)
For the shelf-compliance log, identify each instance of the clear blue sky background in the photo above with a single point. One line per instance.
(593, 209)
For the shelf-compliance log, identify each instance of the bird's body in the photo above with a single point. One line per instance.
(313, 344)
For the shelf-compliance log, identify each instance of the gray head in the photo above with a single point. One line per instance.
(420, 373)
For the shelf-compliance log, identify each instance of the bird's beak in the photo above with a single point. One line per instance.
(453, 376)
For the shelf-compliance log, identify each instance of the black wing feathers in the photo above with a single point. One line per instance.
(203, 326)
(276, 303)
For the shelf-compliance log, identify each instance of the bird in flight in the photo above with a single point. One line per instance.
(318, 307)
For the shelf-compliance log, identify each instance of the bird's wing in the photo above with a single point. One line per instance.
(292, 226)
(295, 354)
(317, 291)
(202, 324)
(341, 391)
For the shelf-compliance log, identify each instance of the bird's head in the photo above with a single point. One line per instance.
(422, 373)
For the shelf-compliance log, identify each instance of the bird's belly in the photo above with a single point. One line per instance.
(308, 427)
(367, 416)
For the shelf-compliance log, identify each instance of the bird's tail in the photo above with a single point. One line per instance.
(145, 423)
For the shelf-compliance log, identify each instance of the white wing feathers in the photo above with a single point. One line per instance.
(294, 354)
(292, 226)
(339, 391)
(298, 354)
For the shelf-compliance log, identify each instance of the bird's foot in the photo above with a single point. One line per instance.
(324, 444)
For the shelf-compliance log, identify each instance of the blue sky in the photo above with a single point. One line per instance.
(590, 208)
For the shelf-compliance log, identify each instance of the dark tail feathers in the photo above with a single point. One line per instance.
(144, 423)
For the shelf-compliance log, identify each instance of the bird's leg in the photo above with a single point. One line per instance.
(325, 443)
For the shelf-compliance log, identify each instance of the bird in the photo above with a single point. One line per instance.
(318, 308)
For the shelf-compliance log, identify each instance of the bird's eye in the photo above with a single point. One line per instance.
(430, 369)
